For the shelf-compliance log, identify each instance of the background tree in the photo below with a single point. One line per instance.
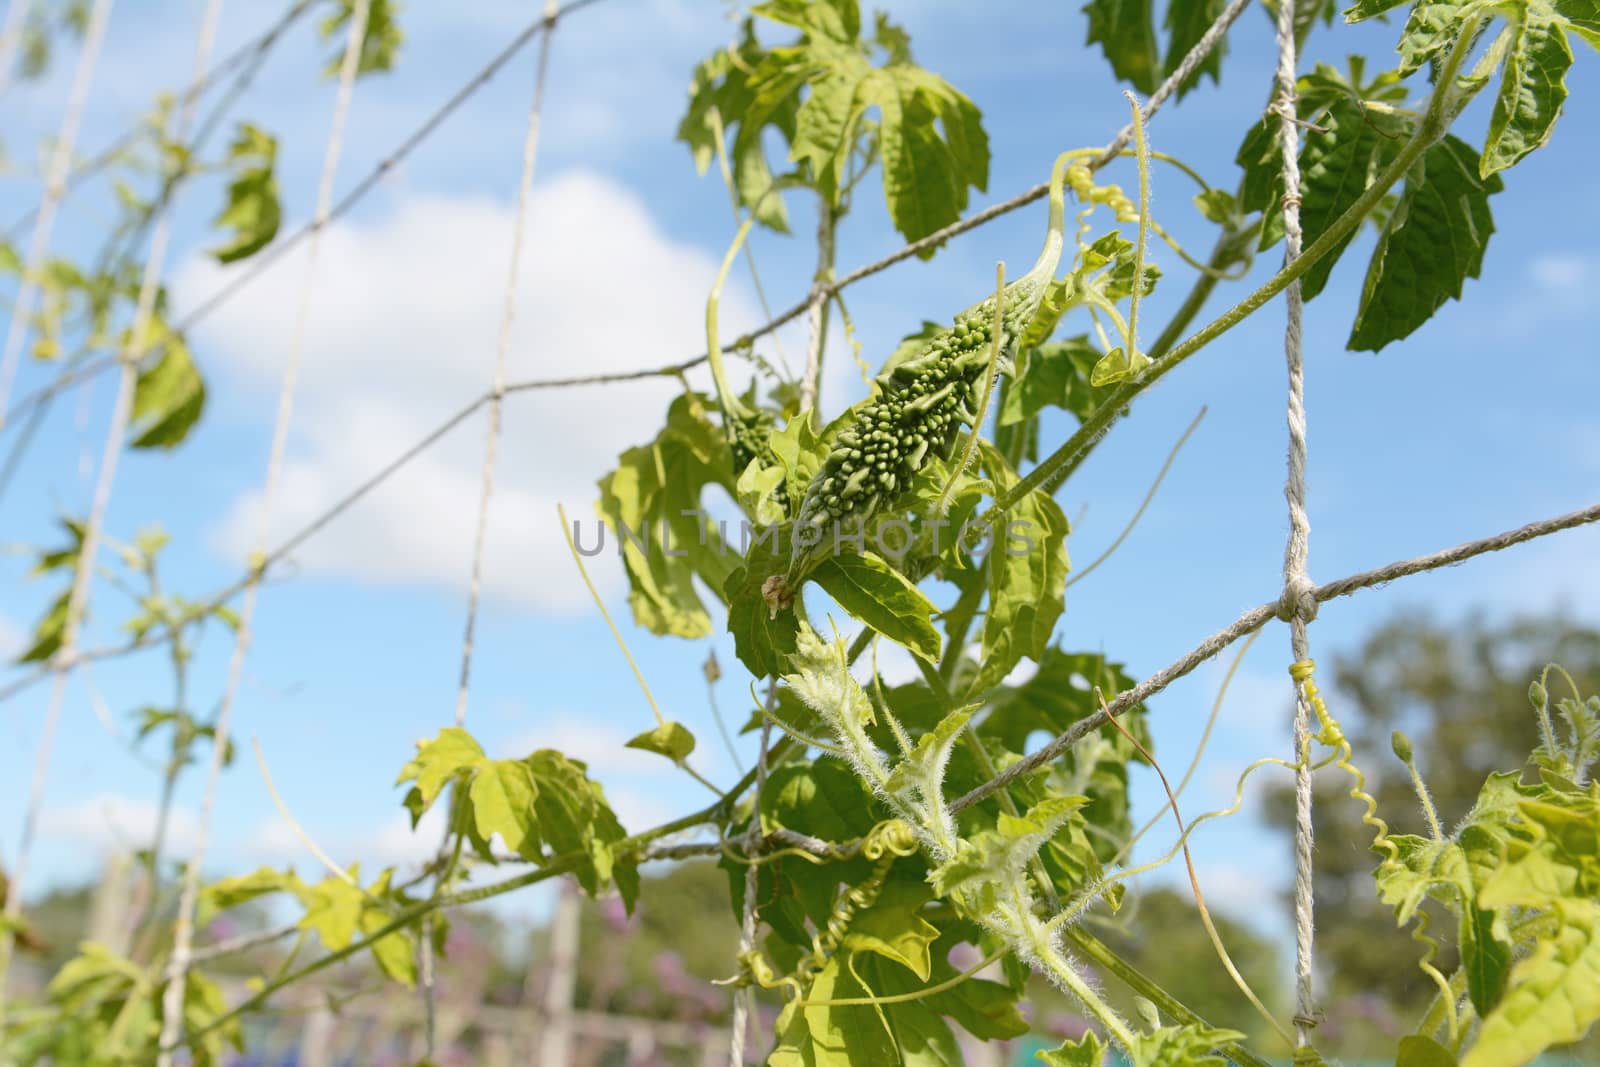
(1461, 694)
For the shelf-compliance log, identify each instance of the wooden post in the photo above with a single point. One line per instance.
(555, 1046)
(316, 1040)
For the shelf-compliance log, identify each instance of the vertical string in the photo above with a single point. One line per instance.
(1298, 605)
(744, 1000)
(55, 186)
(183, 928)
(530, 156)
(811, 383)
(129, 357)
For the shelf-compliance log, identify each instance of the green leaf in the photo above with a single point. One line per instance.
(49, 633)
(1125, 29)
(1186, 22)
(1054, 374)
(1583, 18)
(1532, 87)
(670, 739)
(651, 506)
(724, 82)
(759, 490)
(1367, 9)
(396, 953)
(997, 856)
(1087, 1051)
(883, 598)
(94, 975)
(1418, 1051)
(1338, 163)
(1430, 28)
(1190, 1045)
(437, 762)
(822, 680)
(379, 46)
(169, 396)
(822, 798)
(894, 928)
(762, 638)
(1027, 572)
(1553, 993)
(914, 1032)
(1433, 243)
(241, 889)
(253, 210)
(502, 796)
(925, 176)
(333, 909)
(929, 136)
(1485, 957)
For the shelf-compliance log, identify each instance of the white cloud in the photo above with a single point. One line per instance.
(403, 332)
(108, 822)
(1566, 271)
(392, 843)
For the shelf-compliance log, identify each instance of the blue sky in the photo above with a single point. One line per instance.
(1481, 421)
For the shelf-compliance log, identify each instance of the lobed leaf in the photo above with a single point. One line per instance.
(1433, 242)
(874, 592)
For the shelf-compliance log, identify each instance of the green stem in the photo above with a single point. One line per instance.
(1439, 1008)
(732, 408)
(827, 234)
(1137, 981)
(1069, 979)
(961, 615)
(566, 863)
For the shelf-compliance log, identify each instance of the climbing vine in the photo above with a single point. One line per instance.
(886, 825)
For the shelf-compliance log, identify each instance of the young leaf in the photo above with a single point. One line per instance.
(241, 889)
(253, 210)
(1087, 1051)
(454, 752)
(672, 740)
(49, 633)
(379, 46)
(169, 396)
(1532, 87)
(1190, 1045)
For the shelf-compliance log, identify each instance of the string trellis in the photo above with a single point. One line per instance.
(188, 904)
(496, 399)
(54, 188)
(1298, 606)
(1297, 603)
(83, 572)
